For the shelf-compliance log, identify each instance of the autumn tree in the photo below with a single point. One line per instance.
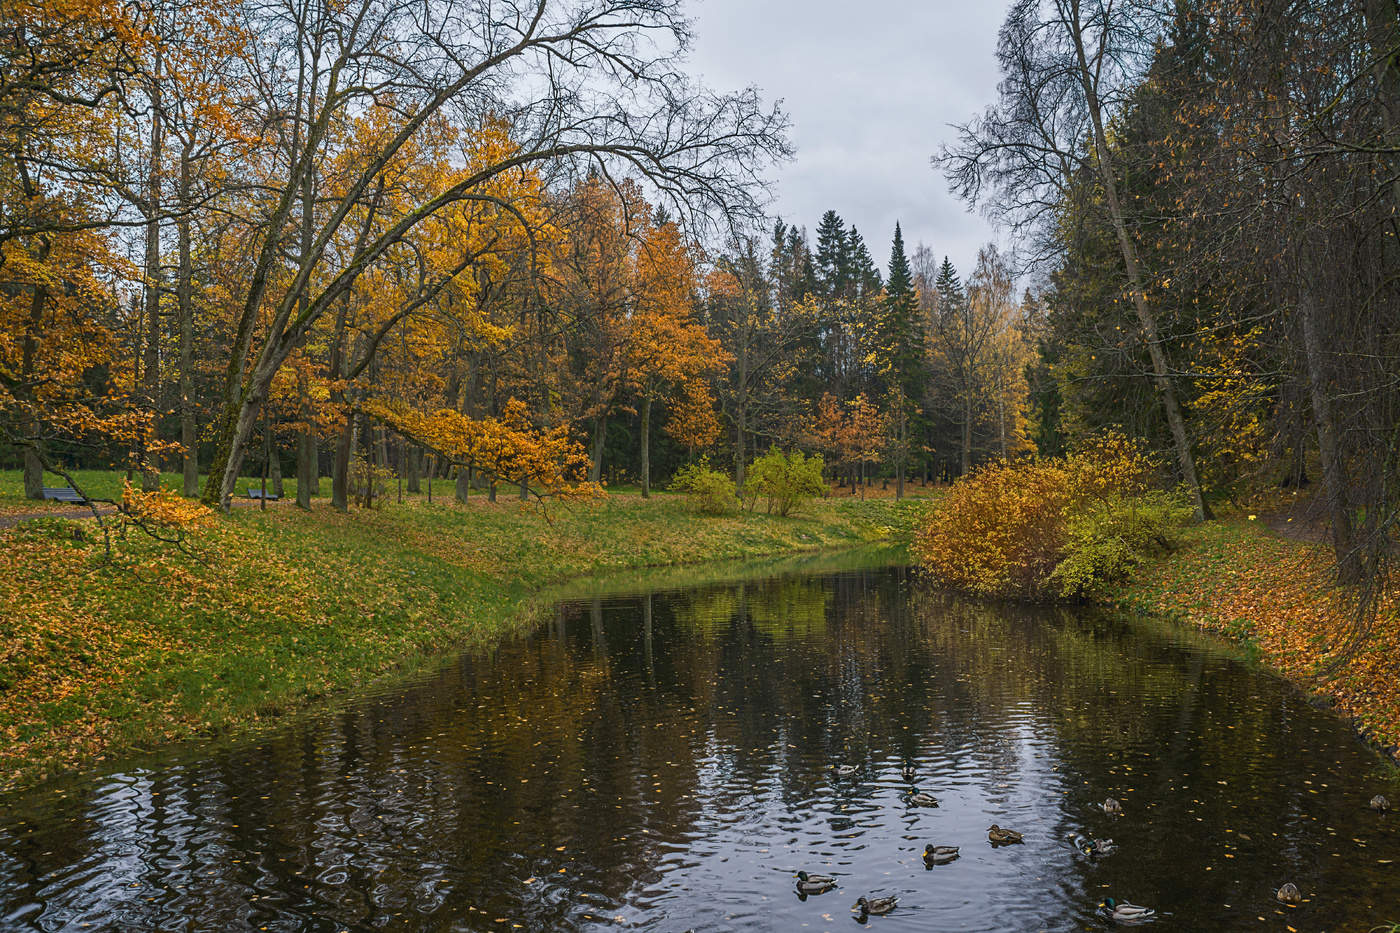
(1068, 69)
(326, 62)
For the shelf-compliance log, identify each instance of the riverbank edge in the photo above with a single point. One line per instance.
(163, 647)
(1273, 597)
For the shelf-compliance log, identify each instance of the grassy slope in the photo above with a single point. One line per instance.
(271, 610)
(1239, 578)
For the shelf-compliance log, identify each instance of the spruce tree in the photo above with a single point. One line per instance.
(902, 350)
(949, 287)
(865, 275)
(833, 259)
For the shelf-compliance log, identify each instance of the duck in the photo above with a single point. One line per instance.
(920, 798)
(1112, 807)
(847, 770)
(814, 884)
(878, 906)
(910, 773)
(1094, 847)
(1289, 894)
(939, 855)
(1123, 912)
(1002, 837)
(1379, 803)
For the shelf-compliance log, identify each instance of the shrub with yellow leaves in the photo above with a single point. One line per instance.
(1064, 526)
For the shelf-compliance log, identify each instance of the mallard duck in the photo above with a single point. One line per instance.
(939, 855)
(1379, 803)
(910, 773)
(847, 770)
(920, 798)
(1123, 912)
(814, 884)
(1289, 894)
(1002, 837)
(1095, 847)
(1112, 807)
(875, 905)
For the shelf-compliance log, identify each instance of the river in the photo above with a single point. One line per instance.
(667, 761)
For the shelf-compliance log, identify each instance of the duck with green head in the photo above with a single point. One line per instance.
(920, 798)
(876, 906)
(1094, 847)
(1125, 913)
(939, 855)
(814, 884)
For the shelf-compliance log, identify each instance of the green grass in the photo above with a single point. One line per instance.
(107, 484)
(270, 612)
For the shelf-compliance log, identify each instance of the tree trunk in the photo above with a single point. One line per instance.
(1383, 28)
(150, 479)
(308, 454)
(413, 470)
(340, 470)
(600, 433)
(275, 472)
(646, 447)
(740, 458)
(902, 453)
(1334, 480)
(184, 294)
(463, 487)
(1161, 376)
(366, 432)
(33, 474)
(29, 349)
(967, 433)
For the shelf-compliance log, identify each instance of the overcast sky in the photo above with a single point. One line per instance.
(871, 87)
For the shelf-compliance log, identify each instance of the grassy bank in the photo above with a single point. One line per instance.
(1273, 594)
(265, 612)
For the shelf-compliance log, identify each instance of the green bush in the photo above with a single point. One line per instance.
(785, 481)
(1105, 539)
(708, 489)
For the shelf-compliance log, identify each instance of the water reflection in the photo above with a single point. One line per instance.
(667, 762)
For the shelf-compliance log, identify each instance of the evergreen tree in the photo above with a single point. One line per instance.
(949, 287)
(865, 274)
(902, 353)
(833, 259)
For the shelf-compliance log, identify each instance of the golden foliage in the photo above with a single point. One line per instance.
(549, 462)
(162, 509)
(1005, 528)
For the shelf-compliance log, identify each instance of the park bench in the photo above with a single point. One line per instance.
(64, 494)
(258, 494)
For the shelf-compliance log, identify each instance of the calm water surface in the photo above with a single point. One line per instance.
(666, 762)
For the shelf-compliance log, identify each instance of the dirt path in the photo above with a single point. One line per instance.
(1304, 520)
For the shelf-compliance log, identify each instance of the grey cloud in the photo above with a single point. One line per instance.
(871, 88)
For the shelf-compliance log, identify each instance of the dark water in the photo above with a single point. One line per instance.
(665, 763)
